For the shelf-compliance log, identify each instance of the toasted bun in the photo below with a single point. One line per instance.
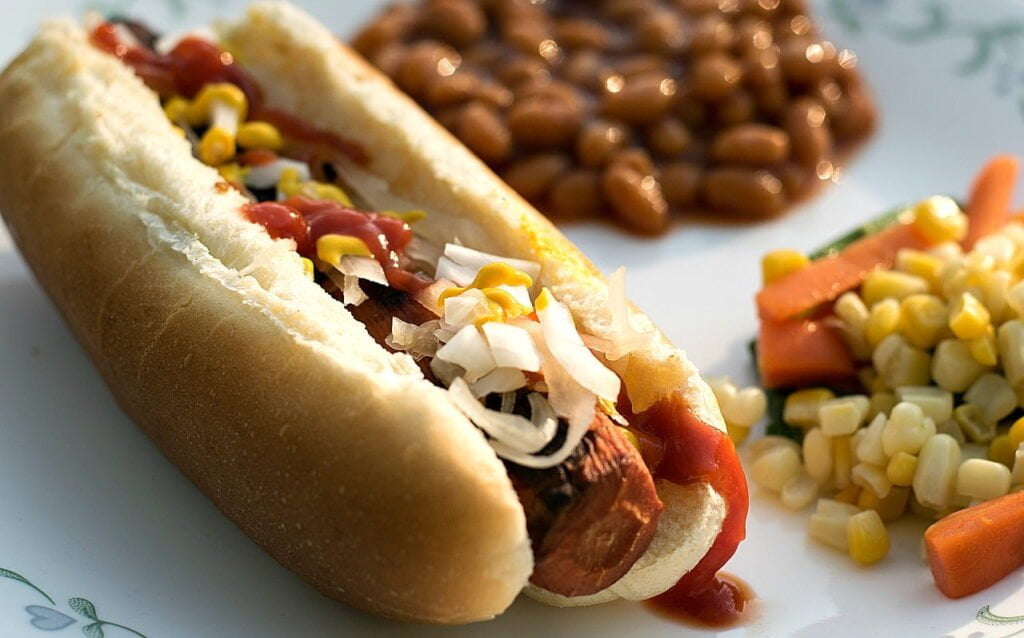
(334, 455)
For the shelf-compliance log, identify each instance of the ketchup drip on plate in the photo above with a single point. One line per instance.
(306, 220)
(694, 451)
(194, 63)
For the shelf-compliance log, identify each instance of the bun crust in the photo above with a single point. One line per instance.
(335, 456)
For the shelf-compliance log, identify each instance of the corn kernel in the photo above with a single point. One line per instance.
(776, 467)
(842, 460)
(1011, 351)
(982, 479)
(259, 135)
(936, 471)
(779, 263)
(867, 537)
(902, 364)
(881, 403)
(939, 219)
(994, 396)
(995, 287)
(843, 415)
(883, 320)
(906, 430)
(968, 318)
(746, 407)
(972, 423)
(900, 470)
(799, 492)
(936, 404)
(737, 433)
(869, 448)
(851, 309)
(952, 428)
(891, 284)
(175, 109)
(923, 320)
(217, 146)
(1017, 476)
(871, 478)
(828, 523)
(202, 107)
(870, 381)
(308, 268)
(953, 367)
(801, 408)
(921, 264)
(889, 508)
(984, 350)
(855, 340)
(818, 452)
(1016, 433)
(1015, 298)
(768, 442)
(1001, 450)
(723, 388)
(849, 494)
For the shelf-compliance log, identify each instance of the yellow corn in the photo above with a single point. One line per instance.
(849, 494)
(900, 470)
(921, 264)
(1011, 351)
(982, 479)
(779, 263)
(889, 508)
(902, 364)
(906, 430)
(217, 146)
(851, 309)
(1002, 449)
(867, 537)
(180, 132)
(176, 108)
(802, 406)
(307, 267)
(842, 459)
(936, 471)
(923, 320)
(953, 367)
(871, 478)
(233, 173)
(891, 284)
(290, 185)
(331, 248)
(994, 395)
(939, 219)
(776, 467)
(1015, 295)
(818, 455)
(881, 403)
(968, 318)
(799, 492)
(972, 423)
(983, 350)
(936, 404)
(1016, 433)
(883, 320)
(201, 108)
(259, 135)
(843, 415)
(737, 433)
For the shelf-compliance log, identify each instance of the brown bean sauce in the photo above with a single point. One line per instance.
(634, 109)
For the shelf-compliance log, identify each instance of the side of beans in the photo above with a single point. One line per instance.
(633, 108)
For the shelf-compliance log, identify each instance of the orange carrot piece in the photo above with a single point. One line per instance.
(827, 278)
(974, 548)
(988, 205)
(796, 352)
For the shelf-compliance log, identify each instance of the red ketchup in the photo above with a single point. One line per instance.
(306, 220)
(194, 63)
(694, 451)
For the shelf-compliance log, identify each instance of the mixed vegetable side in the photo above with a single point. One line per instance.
(894, 367)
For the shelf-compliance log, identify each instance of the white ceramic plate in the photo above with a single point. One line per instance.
(96, 528)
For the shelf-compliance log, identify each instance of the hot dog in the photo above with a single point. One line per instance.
(383, 365)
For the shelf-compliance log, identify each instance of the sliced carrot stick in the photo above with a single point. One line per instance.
(976, 547)
(796, 352)
(988, 205)
(827, 278)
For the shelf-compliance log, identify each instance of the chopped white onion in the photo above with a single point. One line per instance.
(423, 251)
(567, 397)
(475, 260)
(430, 297)
(510, 429)
(366, 268)
(268, 175)
(461, 275)
(351, 292)
(519, 293)
(508, 401)
(624, 337)
(573, 436)
(465, 309)
(468, 349)
(568, 349)
(417, 340)
(498, 381)
(444, 371)
(511, 346)
(444, 335)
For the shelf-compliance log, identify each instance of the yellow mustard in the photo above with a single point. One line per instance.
(501, 304)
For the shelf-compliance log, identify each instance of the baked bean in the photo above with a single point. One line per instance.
(668, 137)
(458, 22)
(583, 69)
(598, 141)
(388, 57)
(639, 65)
(691, 111)
(453, 89)
(581, 33)
(660, 31)
(422, 62)
(806, 122)
(642, 98)
(828, 92)
(448, 117)
(544, 121)
(484, 132)
(752, 35)
(711, 33)
(761, 8)
(756, 144)
(626, 10)
(805, 61)
(528, 37)
(576, 194)
(635, 198)
(521, 69)
(853, 116)
(485, 54)
(531, 177)
(389, 27)
(636, 158)
(736, 109)
(796, 180)
(715, 76)
(495, 94)
(745, 192)
(698, 7)
(680, 182)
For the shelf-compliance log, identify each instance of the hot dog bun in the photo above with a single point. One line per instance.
(334, 455)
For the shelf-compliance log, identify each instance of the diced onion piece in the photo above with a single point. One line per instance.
(520, 294)
(568, 349)
(418, 340)
(430, 297)
(269, 174)
(508, 401)
(474, 260)
(445, 372)
(624, 337)
(465, 309)
(511, 346)
(577, 430)
(468, 349)
(423, 251)
(351, 292)
(511, 430)
(497, 381)
(567, 397)
(457, 273)
(366, 268)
